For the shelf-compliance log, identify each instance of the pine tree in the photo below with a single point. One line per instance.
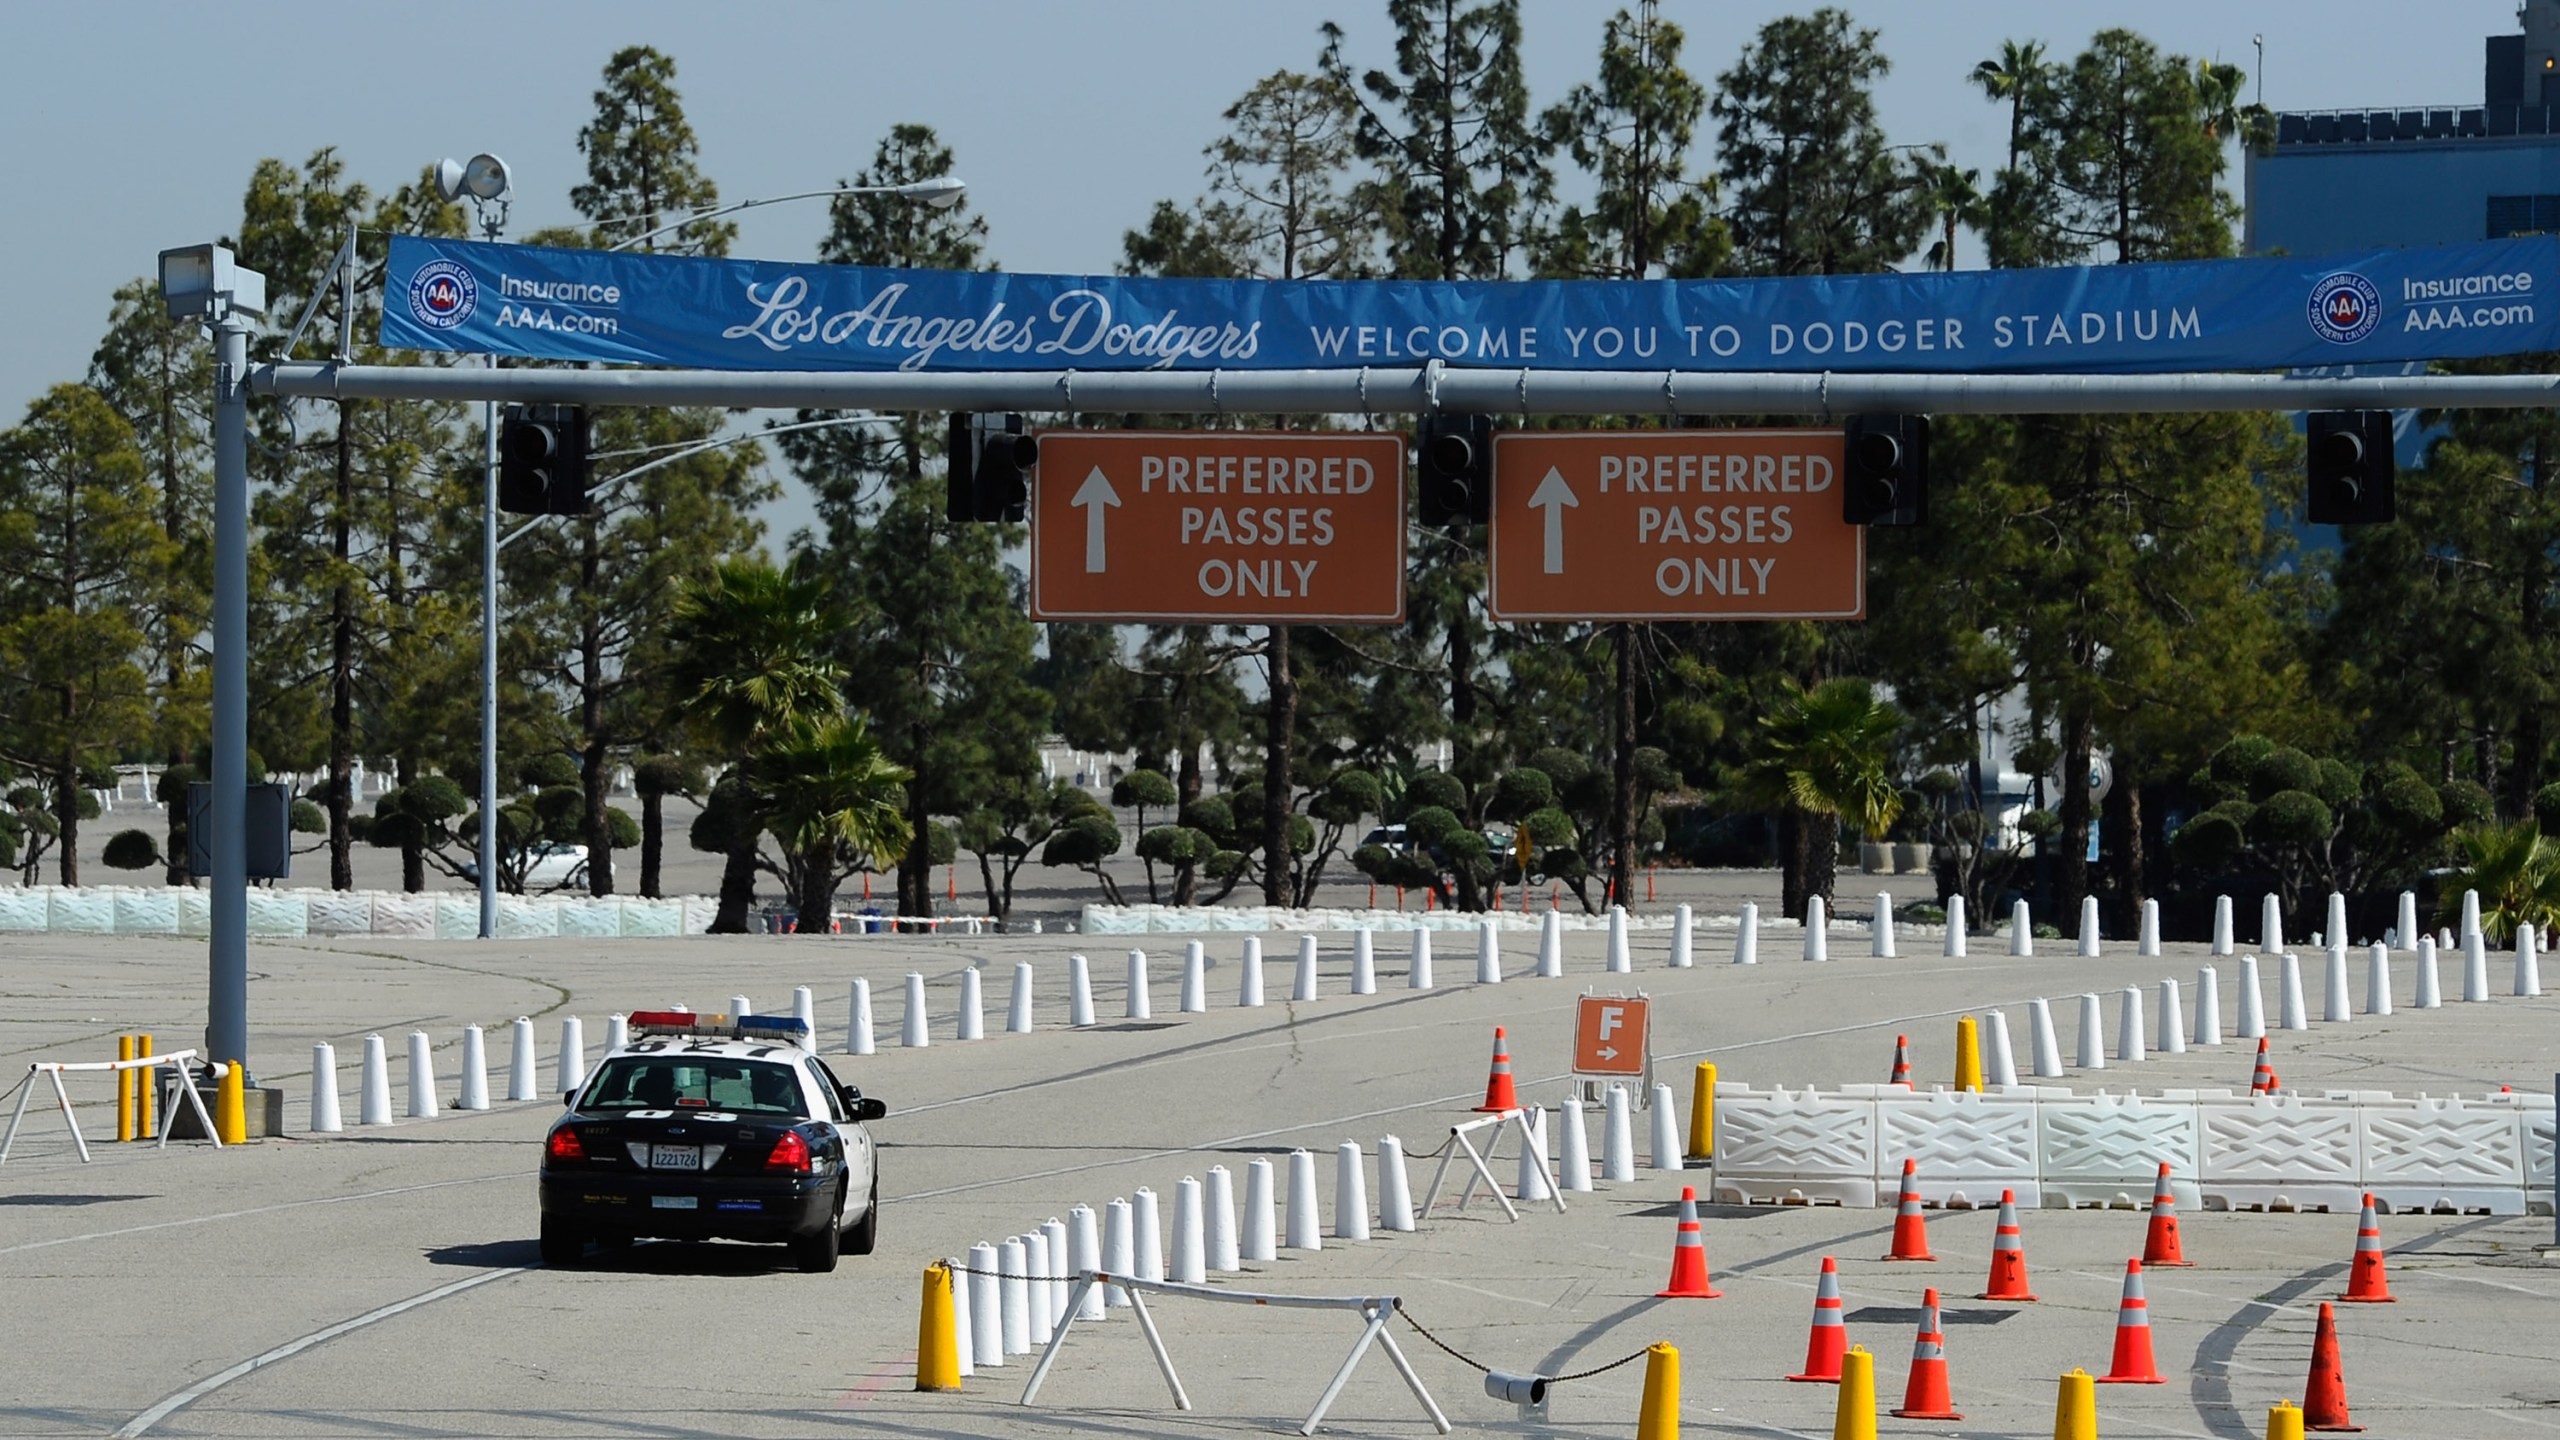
(1812, 186)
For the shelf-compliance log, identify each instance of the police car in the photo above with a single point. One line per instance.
(713, 1127)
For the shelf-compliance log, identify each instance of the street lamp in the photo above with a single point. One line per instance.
(940, 191)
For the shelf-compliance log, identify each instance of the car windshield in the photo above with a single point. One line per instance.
(695, 1082)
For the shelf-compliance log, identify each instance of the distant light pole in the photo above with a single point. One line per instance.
(2260, 41)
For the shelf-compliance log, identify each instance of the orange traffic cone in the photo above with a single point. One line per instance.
(1910, 1232)
(2160, 1243)
(2008, 1255)
(1901, 1062)
(2366, 1282)
(2324, 1395)
(1498, 1095)
(1830, 1338)
(1689, 1256)
(1925, 1395)
(2133, 1364)
(2262, 1081)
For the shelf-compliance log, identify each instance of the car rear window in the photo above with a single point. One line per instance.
(694, 1082)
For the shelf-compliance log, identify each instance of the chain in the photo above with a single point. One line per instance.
(1484, 1369)
(958, 1269)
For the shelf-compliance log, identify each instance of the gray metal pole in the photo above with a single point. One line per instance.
(226, 1028)
(489, 670)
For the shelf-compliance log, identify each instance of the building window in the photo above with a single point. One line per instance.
(2523, 215)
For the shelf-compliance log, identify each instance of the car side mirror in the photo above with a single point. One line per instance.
(869, 1109)
(568, 1097)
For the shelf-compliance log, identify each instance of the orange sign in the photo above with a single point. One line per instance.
(1611, 1034)
(1235, 526)
(1673, 525)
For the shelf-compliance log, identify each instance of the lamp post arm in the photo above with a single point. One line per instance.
(717, 211)
(707, 446)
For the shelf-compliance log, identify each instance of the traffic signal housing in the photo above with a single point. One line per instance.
(989, 481)
(1453, 470)
(542, 460)
(2350, 463)
(1886, 464)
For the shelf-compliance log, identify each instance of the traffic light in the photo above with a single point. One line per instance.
(990, 472)
(542, 460)
(1453, 464)
(1887, 464)
(2350, 463)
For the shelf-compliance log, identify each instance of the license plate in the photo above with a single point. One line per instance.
(674, 1202)
(675, 1157)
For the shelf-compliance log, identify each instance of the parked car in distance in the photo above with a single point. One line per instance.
(553, 866)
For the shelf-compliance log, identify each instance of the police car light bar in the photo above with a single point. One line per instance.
(722, 1027)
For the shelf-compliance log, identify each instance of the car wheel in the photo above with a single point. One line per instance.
(816, 1254)
(563, 1244)
(864, 1237)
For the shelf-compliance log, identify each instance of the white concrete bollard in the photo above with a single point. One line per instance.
(1746, 937)
(1249, 983)
(2129, 1043)
(2253, 1003)
(1350, 1193)
(986, 1306)
(1573, 1149)
(1146, 1235)
(324, 1090)
(2271, 925)
(1880, 929)
(1219, 1198)
(2221, 924)
(422, 1077)
(1035, 1286)
(858, 1037)
(2046, 1048)
(2337, 924)
(1395, 1188)
(2291, 1013)
(1079, 991)
(1141, 1004)
(2430, 988)
(1667, 1144)
(520, 1061)
(804, 1008)
(475, 1070)
(1017, 1009)
(1620, 962)
(914, 1036)
(2334, 1006)
(1261, 1218)
(740, 1005)
(2089, 927)
(971, 1023)
(1195, 978)
(572, 1070)
(963, 1335)
(1053, 1233)
(1302, 986)
(1817, 929)
(1681, 920)
(1417, 970)
(1530, 1180)
(2470, 913)
(617, 1033)
(1190, 1234)
(2208, 1005)
(1955, 942)
(373, 1086)
(2022, 931)
(2002, 1071)
(1550, 946)
(1084, 1252)
(2475, 965)
(2528, 960)
(2149, 943)
(2173, 1018)
(2093, 1045)
(1617, 1137)
(1364, 963)
(1488, 955)
(2377, 980)
(2408, 926)
(1119, 1250)
(1306, 1227)
(1013, 1293)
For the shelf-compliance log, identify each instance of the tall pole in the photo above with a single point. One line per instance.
(489, 669)
(226, 1030)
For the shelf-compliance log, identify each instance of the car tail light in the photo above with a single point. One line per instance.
(564, 1145)
(789, 1153)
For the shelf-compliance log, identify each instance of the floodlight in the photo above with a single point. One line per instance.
(486, 177)
(941, 192)
(208, 280)
(449, 178)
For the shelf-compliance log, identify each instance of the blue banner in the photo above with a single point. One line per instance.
(2368, 307)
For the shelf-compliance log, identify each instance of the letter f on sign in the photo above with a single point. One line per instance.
(1610, 1019)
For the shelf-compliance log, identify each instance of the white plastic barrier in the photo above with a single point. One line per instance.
(2288, 1150)
(457, 917)
(1970, 1146)
(2425, 1153)
(81, 912)
(2109, 1149)
(527, 919)
(1248, 919)
(652, 919)
(195, 912)
(279, 914)
(339, 912)
(147, 912)
(24, 911)
(407, 915)
(588, 919)
(1803, 1146)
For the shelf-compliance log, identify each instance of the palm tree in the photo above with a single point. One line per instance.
(1825, 756)
(2517, 873)
(834, 801)
(1956, 198)
(752, 654)
(2013, 75)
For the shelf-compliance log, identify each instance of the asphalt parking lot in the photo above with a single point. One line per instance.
(384, 1281)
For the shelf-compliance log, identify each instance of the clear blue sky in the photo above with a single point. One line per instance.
(134, 128)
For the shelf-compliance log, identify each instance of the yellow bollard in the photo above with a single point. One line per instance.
(2284, 1421)
(937, 1333)
(1968, 1055)
(124, 1089)
(1659, 1419)
(1702, 1113)
(1856, 1418)
(2075, 1408)
(231, 1106)
(150, 1102)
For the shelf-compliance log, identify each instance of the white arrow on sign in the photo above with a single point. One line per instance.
(1097, 497)
(1552, 496)
(1607, 1052)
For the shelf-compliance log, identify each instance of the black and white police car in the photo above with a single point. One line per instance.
(710, 1127)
